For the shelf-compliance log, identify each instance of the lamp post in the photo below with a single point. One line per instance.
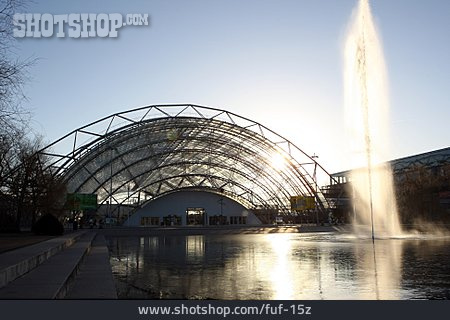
(314, 157)
(110, 185)
(128, 206)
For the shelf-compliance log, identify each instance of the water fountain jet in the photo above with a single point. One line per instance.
(366, 103)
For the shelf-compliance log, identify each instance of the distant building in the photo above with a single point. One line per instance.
(422, 186)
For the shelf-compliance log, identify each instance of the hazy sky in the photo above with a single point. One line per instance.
(277, 62)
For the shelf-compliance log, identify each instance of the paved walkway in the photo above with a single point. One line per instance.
(95, 280)
(74, 266)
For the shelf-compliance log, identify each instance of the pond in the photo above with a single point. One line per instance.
(280, 266)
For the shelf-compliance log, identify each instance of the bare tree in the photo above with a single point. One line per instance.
(12, 73)
(418, 194)
(26, 189)
(13, 116)
(30, 189)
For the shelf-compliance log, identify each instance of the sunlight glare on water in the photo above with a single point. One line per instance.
(280, 270)
(280, 266)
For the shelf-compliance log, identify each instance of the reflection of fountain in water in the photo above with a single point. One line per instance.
(383, 268)
(366, 102)
(342, 267)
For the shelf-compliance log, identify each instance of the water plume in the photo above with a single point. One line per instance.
(367, 107)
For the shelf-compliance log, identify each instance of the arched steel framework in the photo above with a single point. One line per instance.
(136, 156)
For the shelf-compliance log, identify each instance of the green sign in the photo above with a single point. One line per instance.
(81, 201)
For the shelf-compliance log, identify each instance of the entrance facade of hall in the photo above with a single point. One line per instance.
(188, 208)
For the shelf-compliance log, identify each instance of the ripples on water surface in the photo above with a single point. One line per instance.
(280, 266)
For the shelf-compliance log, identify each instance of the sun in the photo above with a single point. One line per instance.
(278, 161)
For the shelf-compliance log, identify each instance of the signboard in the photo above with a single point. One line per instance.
(444, 198)
(301, 203)
(81, 201)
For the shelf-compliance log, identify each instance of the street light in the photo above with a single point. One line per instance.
(314, 157)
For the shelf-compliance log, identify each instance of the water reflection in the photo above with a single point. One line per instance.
(195, 247)
(380, 269)
(279, 266)
(280, 270)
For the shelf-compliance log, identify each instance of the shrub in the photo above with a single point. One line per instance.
(48, 224)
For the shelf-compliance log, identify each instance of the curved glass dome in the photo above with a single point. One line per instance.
(142, 154)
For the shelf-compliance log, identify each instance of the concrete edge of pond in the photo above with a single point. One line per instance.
(202, 230)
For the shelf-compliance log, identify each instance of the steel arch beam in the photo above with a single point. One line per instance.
(227, 129)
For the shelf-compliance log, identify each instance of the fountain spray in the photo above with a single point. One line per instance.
(366, 101)
(362, 71)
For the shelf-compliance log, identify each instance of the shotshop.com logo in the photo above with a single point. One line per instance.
(74, 25)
